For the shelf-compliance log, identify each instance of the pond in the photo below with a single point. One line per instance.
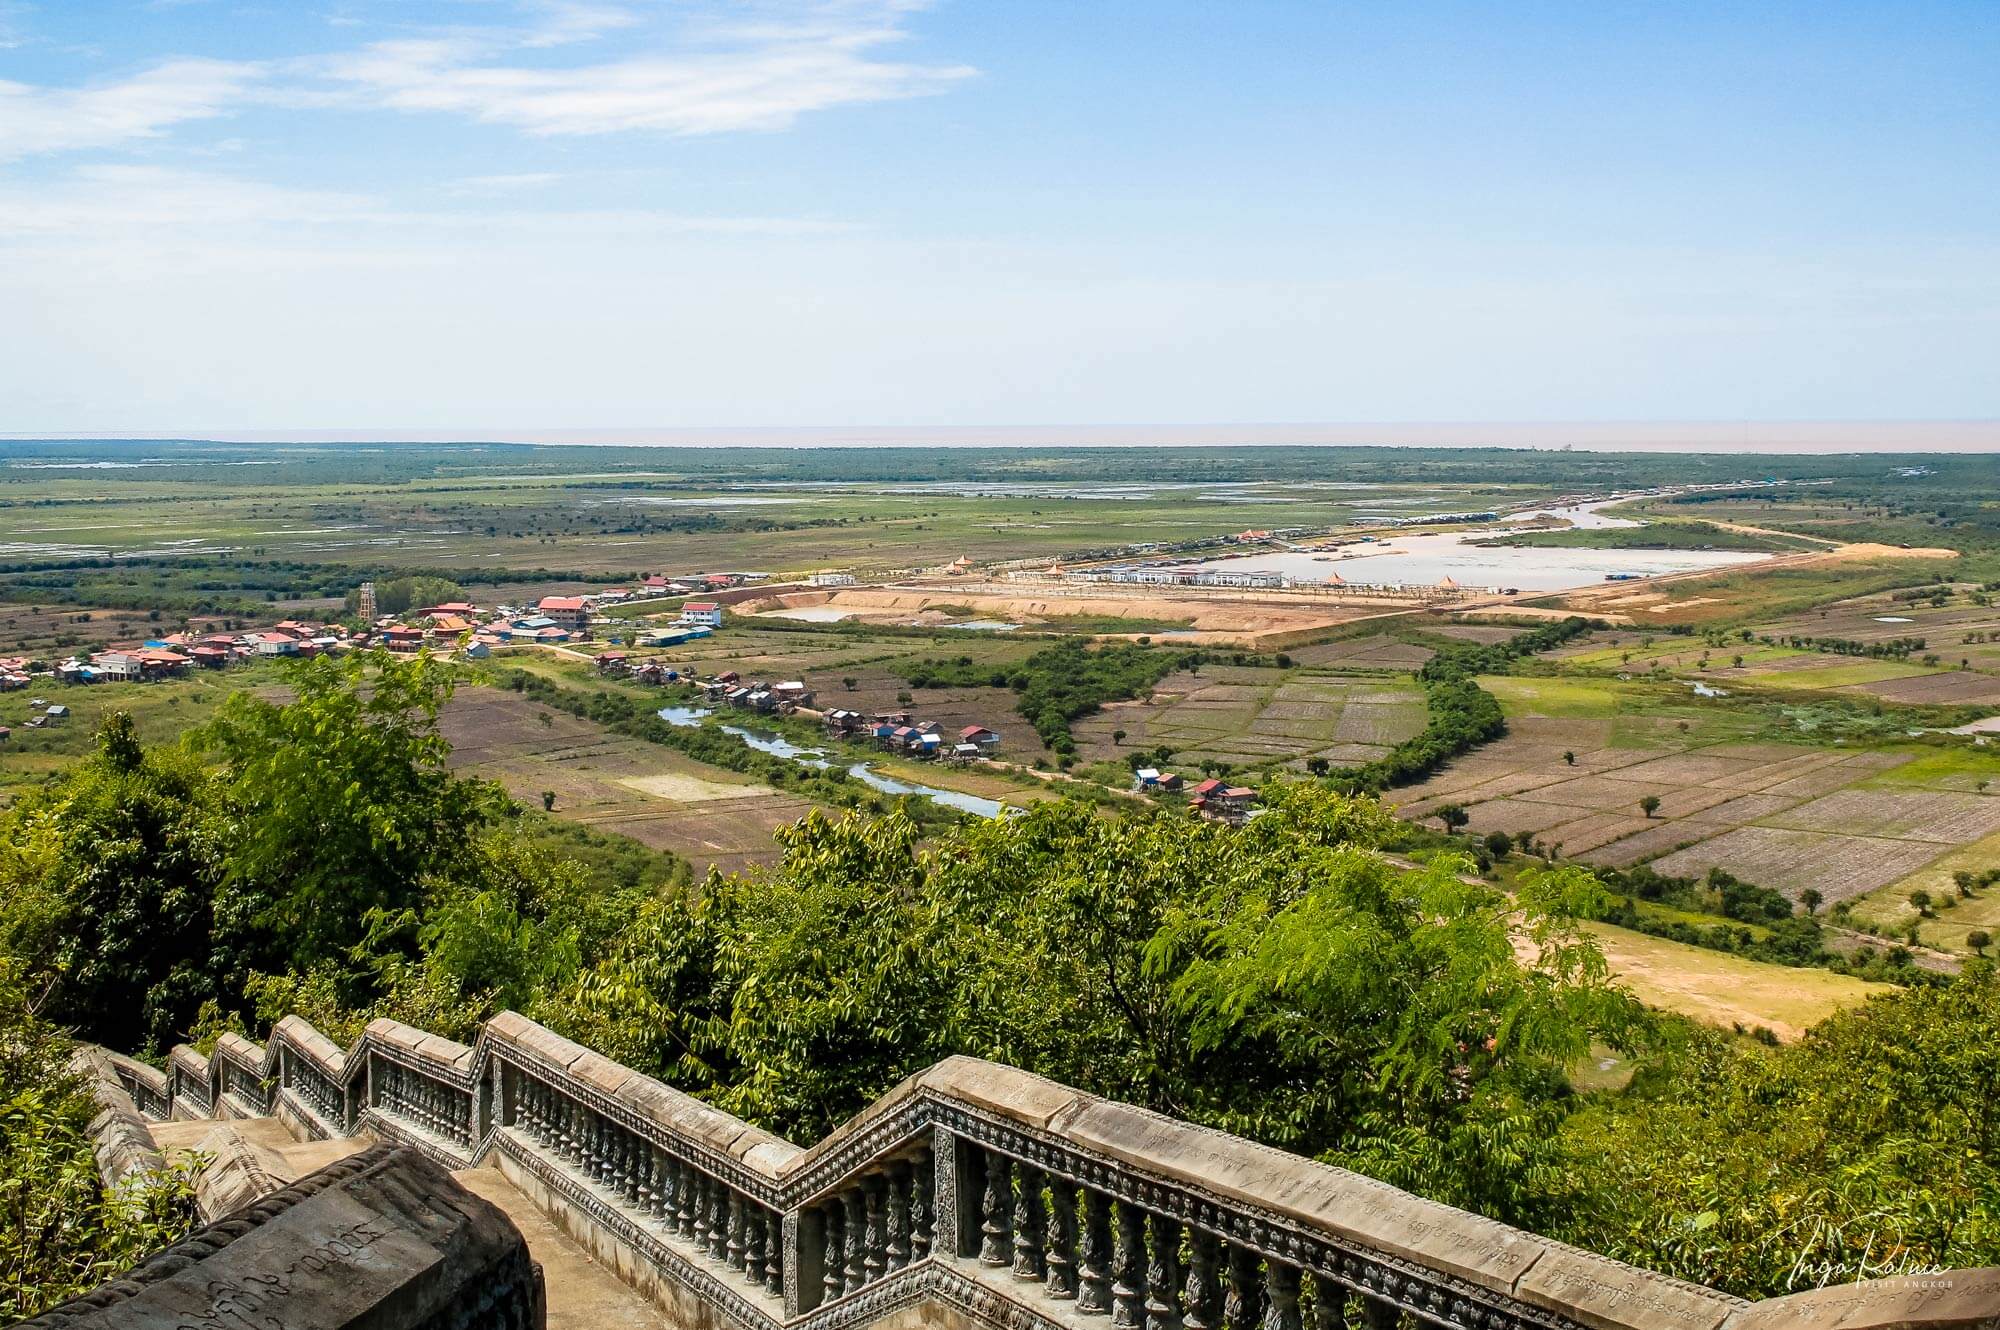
(687, 718)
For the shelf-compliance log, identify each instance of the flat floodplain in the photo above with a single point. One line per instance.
(1580, 755)
(656, 796)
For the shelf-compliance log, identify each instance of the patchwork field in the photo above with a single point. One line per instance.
(706, 815)
(1580, 755)
(1259, 717)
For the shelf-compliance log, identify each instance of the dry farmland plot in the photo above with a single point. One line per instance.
(1888, 909)
(1783, 816)
(1374, 652)
(1944, 816)
(1838, 867)
(654, 795)
(1252, 716)
(1953, 687)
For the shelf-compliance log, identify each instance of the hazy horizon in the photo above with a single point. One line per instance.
(1750, 438)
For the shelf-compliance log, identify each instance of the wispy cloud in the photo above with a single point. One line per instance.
(743, 76)
(561, 21)
(36, 120)
(742, 67)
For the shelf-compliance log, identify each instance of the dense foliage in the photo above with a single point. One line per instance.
(60, 1232)
(1063, 682)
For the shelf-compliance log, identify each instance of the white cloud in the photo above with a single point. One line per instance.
(727, 77)
(563, 21)
(717, 72)
(43, 120)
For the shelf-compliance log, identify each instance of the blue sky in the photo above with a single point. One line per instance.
(549, 214)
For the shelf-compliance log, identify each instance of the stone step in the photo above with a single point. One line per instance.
(583, 1295)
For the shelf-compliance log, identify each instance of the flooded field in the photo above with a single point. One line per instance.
(1426, 560)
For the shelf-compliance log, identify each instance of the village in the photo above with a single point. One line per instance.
(624, 636)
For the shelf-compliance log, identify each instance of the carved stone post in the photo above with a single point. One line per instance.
(1281, 1288)
(1030, 1227)
(1201, 1297)
(996, 1211)
(1094, 1261)
(924, 1191)
(1329, 1304)
(1163, 1275)
(854, 1223)
(875, 1251)
(896, 1247)
(1243, 1305)
(1062, 1238)
(1128, 1267)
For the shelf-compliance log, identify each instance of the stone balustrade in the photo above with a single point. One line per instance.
(973, 1187)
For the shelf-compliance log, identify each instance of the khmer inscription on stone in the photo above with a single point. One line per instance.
(386, 1240)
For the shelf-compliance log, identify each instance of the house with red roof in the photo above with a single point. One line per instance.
(571, 613)
(704, 612)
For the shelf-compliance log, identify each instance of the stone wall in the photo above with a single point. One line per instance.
(385, 1240)
(972, 1192)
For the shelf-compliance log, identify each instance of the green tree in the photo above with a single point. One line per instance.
(1649, 804)
(340, 800)
(1452, 816)
(108, 879)
(1979, 940)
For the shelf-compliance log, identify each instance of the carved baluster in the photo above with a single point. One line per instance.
(855, 1222)
(1243, 1305)
(996, 1211)
(1281, 1296)
(896, 1249)
(632, 1169)
(1329, 1304)
(1163, 1275)
(774, 1254)
(753, 1244)
(922, 1213)
(1128, 1267)
(1030, 1226)
(718, 1220)
(1201, 1297)
(1062, 1238)
(702, 1210)
(736, 1248)
(615, 1170)
(598, 1133)
(1379, 1315)
(659, 1202)
(684, 1199)
(1093, 1294)
(875, 1250)
(645, 1165)
(832, 1257)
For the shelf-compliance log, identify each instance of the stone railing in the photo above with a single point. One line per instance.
(974, 1187)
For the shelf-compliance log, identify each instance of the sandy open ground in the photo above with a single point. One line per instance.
(685, 788)
(1211, 618)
